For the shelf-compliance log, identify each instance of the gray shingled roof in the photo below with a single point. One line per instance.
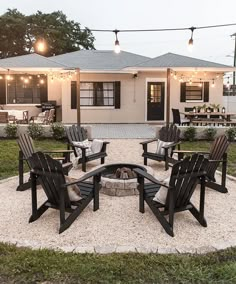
(106, 60)
(30, 61)
(172, 60)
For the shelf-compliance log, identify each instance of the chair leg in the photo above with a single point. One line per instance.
(96, 193)
(36, 212)
(145, 161)
(141, 195)
(103, 160)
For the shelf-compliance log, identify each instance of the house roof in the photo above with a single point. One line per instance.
(30, 62)
(100, 60)
(176, 61)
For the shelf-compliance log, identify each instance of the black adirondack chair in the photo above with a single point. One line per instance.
(184, 177)
(27, 149)
(49, 174)
(177, 119)
(168, 133)
(216, 156)
(77, 133)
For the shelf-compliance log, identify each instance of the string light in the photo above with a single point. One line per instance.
(200, 84)
(213, 83)
(228, 85)
(190, 42)
(117, 44)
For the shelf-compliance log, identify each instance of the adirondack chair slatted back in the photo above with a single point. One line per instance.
(169, 133)
(217, 150)
(184, 178)
(76, 133)
(176, 116)
(50, 176)
(26, 145)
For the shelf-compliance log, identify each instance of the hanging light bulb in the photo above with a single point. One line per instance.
(190, 42)
(175, 76)
(228, 85)
(200, 83)
(117, 44)
(190, 82)
(40, 46)
(213, 83)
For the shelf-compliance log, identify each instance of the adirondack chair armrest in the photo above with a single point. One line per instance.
(171, 145)
(106, 142)
(58, 151)
(81, 147)
(190, 152)
(213, 161)
(86, 176)
(148, 141)
(144, 174)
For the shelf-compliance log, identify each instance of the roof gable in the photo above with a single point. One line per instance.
(29, 61)
(106, 60)
(171, 60)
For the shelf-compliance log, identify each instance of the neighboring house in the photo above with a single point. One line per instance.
(114, 88)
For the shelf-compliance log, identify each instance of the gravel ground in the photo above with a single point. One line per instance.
(118, 226)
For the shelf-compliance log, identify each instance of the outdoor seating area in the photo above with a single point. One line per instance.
(122, 226)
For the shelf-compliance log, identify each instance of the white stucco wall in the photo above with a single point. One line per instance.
(133, 98)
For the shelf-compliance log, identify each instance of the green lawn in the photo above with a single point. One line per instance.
(9, 154)
(22, 265)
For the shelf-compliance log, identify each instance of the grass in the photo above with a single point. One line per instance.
(22, 265)
(9, 154)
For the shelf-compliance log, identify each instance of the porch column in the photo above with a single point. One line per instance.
(78, 95)
(168, 97)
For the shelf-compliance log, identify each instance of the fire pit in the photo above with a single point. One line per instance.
(120, 179)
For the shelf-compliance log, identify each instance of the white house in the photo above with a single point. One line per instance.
(114, 88)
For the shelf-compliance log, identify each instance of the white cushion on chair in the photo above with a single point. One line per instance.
(84, 143)
(162, 192)
(160, 150)
(73, 190)
(96, 146)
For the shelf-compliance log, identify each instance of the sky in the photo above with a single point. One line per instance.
(215, 44)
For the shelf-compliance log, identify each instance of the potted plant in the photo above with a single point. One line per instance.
(215, 107)
(203, 108)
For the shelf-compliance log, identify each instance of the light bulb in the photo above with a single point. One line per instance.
(117, 46)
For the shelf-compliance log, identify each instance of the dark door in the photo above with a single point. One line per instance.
(155, 100)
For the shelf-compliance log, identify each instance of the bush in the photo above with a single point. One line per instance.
(11, 130)
(231, 133)
(190, 133)
(210, 133)
(58, 130)
(35, 130)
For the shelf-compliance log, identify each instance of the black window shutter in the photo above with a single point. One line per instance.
(73, 95)
(117, 94)
(183, 92)
(2, 92)
(44, 93)
(206, 92)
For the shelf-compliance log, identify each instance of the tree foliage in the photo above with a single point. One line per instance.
(19, 34)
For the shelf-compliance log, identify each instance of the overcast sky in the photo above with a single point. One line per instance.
(210, 44)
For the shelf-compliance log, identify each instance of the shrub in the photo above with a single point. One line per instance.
(210, 133)
(35, 130)
(190, 133)
(58, 130)
(231, 133)
(11, 130)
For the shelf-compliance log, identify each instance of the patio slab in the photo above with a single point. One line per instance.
(118, 226)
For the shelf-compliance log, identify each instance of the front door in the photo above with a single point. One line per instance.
(155, 100)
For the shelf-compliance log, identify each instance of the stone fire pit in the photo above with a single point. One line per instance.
(120, 180)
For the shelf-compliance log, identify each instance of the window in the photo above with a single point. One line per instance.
(26, 89)
(194, 92)
(96, 94)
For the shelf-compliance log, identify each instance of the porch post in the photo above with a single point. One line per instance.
(168, 97)
(78, 95)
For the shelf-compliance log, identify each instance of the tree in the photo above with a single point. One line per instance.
(19, 34)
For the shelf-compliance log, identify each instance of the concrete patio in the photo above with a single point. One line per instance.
(118, 226)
